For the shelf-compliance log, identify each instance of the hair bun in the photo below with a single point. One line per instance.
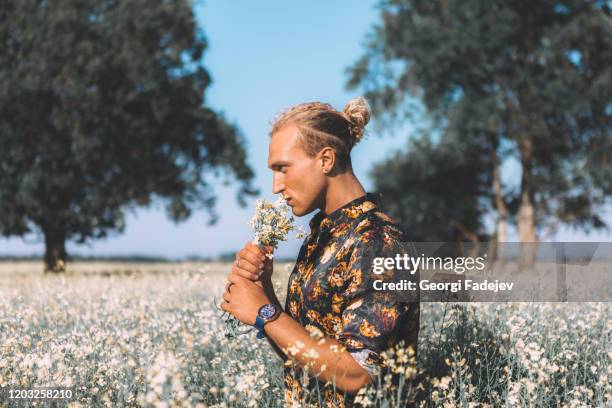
(358, 112)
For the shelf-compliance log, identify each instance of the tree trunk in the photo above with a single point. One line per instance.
(526, 213)
(500, 206)
(526, 219)
(55, 250)
(470, 236)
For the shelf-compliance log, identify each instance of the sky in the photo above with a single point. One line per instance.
(263, 57)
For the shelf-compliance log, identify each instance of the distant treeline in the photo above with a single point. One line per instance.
(110, 258)
(228, 257)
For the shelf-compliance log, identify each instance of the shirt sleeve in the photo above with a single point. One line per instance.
(369, 360)
(370, 316)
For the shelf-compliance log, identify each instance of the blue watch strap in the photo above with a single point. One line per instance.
(259, 323)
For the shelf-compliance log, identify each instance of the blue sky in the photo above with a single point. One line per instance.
(263, 57)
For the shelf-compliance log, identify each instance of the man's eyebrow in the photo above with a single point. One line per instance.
(278, 164)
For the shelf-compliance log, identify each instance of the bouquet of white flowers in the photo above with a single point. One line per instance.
(271, 223)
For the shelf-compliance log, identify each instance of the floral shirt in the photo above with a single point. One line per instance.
(330, 293)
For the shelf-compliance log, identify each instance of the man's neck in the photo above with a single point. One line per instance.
(342, 189)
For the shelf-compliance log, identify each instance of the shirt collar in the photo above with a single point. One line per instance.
(351, 210)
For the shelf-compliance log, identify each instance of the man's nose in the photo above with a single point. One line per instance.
(277, 186)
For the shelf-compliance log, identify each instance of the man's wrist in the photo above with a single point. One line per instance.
(266, 314)
(269, 325)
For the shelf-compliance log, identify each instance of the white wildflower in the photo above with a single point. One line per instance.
(271, 223)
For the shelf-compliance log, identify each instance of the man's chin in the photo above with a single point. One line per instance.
(300, 212)
(296, 212)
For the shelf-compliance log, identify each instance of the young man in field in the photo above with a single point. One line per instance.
(333, 321)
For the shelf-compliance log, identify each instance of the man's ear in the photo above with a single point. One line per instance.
(328, 159)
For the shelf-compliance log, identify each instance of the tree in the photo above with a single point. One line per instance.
(534, 79)
(102, 109)
(413, 182)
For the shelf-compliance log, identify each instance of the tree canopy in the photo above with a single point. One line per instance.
(532, 80)
(413, 181)
(102, 108)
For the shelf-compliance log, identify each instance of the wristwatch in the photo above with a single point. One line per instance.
(266, 313)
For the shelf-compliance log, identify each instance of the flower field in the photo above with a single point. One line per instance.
(150, 335)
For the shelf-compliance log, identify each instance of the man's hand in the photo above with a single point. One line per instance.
(251, 263)
(243, 298)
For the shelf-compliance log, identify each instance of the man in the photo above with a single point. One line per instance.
(333, 322)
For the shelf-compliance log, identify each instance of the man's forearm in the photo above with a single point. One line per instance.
(325, 357)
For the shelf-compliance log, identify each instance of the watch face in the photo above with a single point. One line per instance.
(267, 311)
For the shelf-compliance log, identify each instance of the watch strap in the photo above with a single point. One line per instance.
(259, 323)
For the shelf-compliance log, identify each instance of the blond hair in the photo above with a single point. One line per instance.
(321, 126)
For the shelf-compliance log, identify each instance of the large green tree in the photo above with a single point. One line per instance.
(413, 181)
(102, 108)
(533, 80)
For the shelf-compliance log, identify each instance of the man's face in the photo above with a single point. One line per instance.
(298, 177)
